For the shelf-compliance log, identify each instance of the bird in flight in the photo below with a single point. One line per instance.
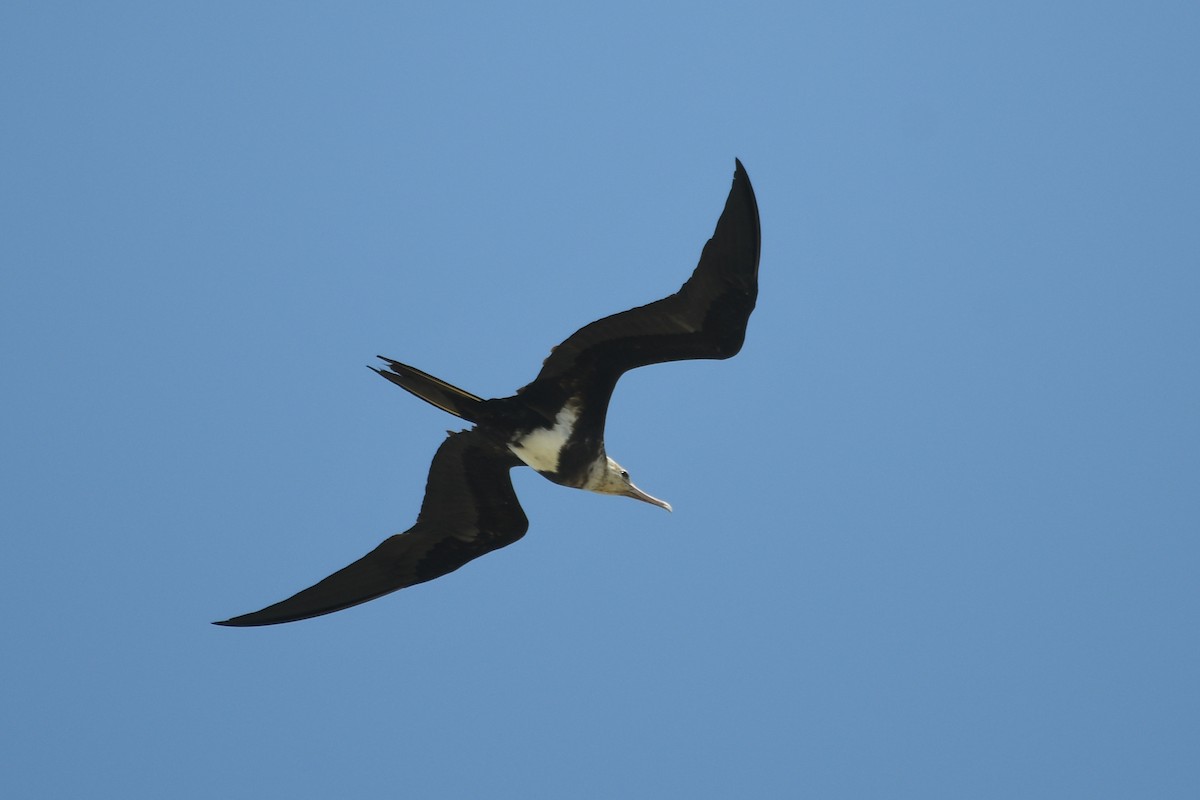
(554, 424)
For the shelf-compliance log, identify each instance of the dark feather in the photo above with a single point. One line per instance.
(432, 390)
(470, 509)
(706, 318)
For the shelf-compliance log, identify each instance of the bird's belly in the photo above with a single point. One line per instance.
(540, 448)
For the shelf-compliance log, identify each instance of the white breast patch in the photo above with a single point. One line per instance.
(541, 446)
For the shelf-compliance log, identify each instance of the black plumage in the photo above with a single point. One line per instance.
(554, 424)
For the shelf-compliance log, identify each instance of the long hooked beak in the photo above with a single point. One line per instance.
(638, 494)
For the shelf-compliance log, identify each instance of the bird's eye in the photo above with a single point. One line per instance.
(624, 474)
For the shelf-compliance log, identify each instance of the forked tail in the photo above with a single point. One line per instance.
(431, 390)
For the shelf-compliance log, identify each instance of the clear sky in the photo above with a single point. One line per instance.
(936, 528)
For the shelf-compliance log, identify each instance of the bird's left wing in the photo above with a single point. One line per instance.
(470, 509)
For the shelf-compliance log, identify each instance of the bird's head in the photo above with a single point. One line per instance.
(614, 479)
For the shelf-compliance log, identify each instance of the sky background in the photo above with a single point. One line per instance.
(936, 528)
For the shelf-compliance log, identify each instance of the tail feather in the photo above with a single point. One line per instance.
(431, 390)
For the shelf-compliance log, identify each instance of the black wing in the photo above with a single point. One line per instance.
(706, 318)
(470, 509)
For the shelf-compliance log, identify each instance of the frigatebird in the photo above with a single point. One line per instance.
(554, 424)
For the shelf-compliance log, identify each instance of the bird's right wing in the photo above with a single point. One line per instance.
(470, 509)
(706, 318)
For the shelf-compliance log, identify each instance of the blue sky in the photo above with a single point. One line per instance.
(935, 529)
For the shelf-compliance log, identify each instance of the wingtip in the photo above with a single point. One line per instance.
(240, 622)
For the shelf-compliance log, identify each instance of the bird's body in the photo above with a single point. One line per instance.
(543, 447)
(555, 424)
